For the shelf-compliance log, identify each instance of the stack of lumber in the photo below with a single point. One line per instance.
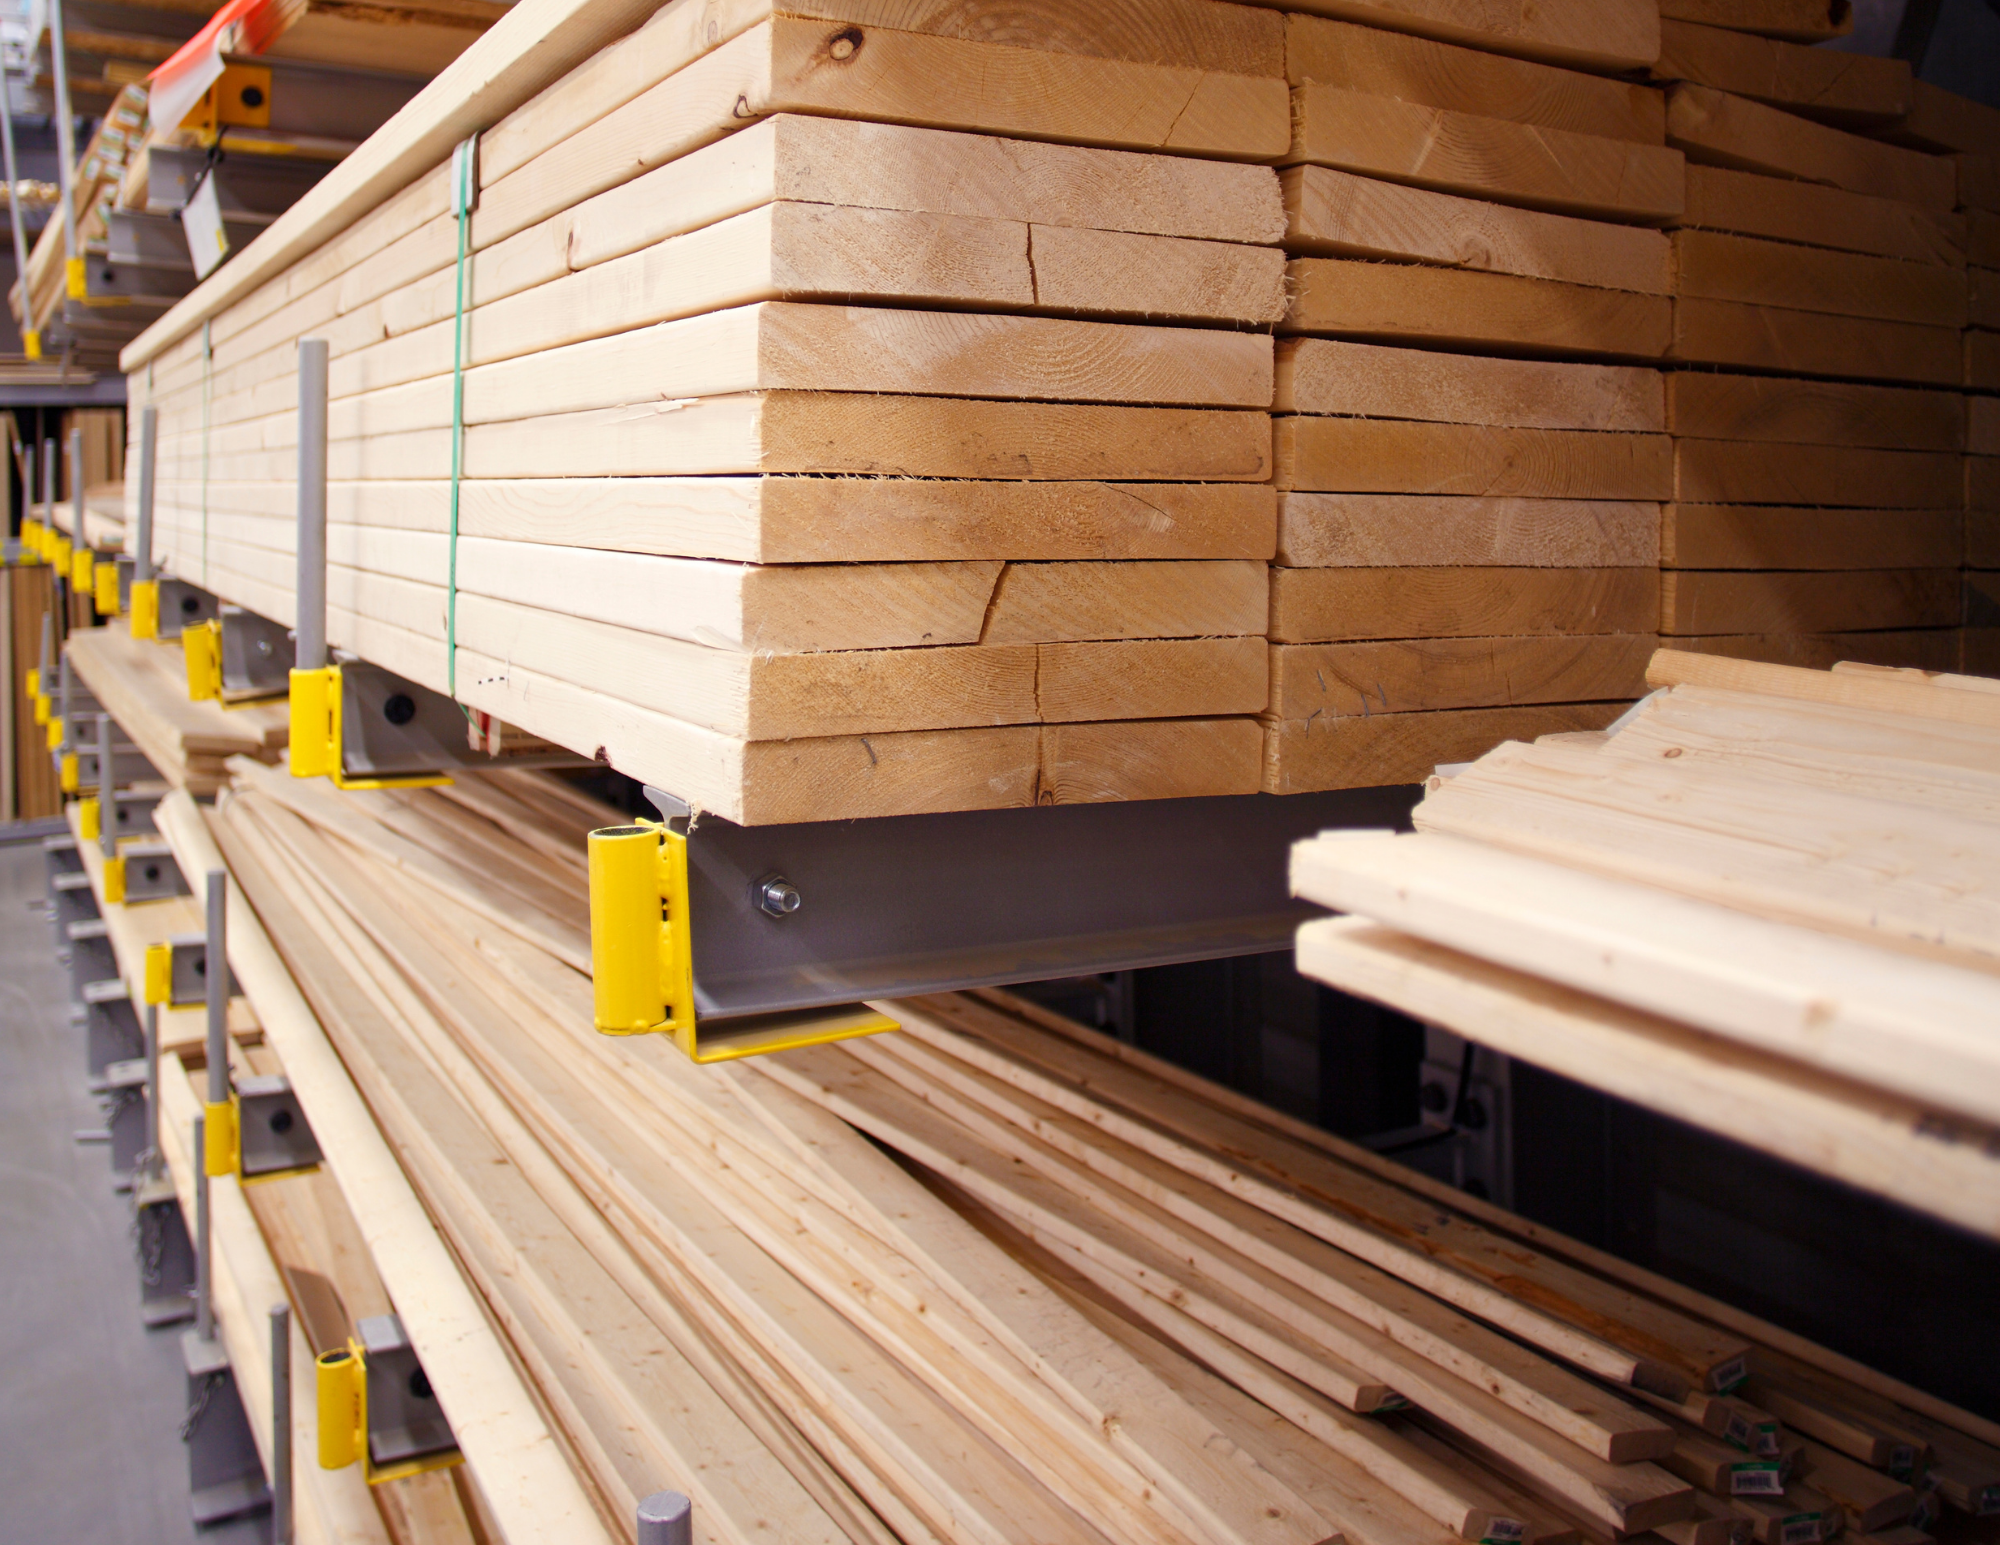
(1470, 469)
(1074, 1294)
(28, 787)
(829, 451)
(144, 687)
(290, 1238)
(1811, 522)
(1768, 903)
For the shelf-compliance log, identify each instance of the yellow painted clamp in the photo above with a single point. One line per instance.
(315, 716)
(145, 608)
(342, 1379)
(107, 589)
(79, 285)
(59, 553)
(221, 1142)
(114, 880)
(641, 954)
(202, 646)
(88, 822)
(82, 570)
(159, 982)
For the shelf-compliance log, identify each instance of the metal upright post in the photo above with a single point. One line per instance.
(218, 988)
(149, 442)
(27, 472)
(204, 1310)
(77, 540)
(281, 1424)
(48, 647)
(49, 482)
(29, 337)
(666, 1518)
(65, 143)
(151, 1163)
(64, 677)
(311, 588)
(107, 791)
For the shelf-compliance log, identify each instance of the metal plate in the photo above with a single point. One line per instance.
(257, 654)
(183, 605)
(887, 907)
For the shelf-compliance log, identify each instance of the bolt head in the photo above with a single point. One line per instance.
(778, 898)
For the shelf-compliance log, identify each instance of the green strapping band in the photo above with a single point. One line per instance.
(464, 194)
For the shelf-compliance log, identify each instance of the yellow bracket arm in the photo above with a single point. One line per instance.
(83, 571)
(342, 1380)
(202, 647)
(222, 1141)
(316, 732)
(89, 824)
(145, 608)
(642, 957)
(107, 589)
(158, 987)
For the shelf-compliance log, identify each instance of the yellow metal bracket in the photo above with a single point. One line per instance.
(222, 1138)
(341, 1396)
(59, 554)
(88, 825)
(642, 957)
(316, 733)
(158, 985)
(239, 98)
(78, 284)
(145, 608)
(31, 534)
(114, 880)
(106, 588)
(201, 644)
(83, 571)
(31, 341)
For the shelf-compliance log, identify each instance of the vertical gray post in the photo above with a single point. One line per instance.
(48, 646)
(218, 986)
(204, 1310)
(65, 130)
(666, 1518)
(49, 480)
(18, 219)
(150, 1015)
(27, 457)
(63, 695)
(107, 791)
(281, 1424)
(311, 588)
(149, 444)
(76, 489)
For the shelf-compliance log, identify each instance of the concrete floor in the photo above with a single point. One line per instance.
(90, 1401)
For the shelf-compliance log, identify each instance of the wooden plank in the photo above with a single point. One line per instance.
(1716, 266)
(1941, 120)
(1317, 530)
(1364, 380)
(810, 432)
(1982, 431)
(1458, 152)
(1348, 455)
(1492, 312)
(1383, 63)
(1381, 750)
(1982, 539)
(1333, 605)
(1803, 21)
(1611, 37)
(1725, 130)
(1782, 209)
(1845, 1010)
(1982, 361)
(1928, 649)
(1738, 602)
(1856, 90)
(1750, 472)
(1721, 332)
(1870, 1141)
(524, 1473)
(1314, 681)
(1336, 214)
(1984, 298)
(1736, 536)
(1735, 407)
(809, 520)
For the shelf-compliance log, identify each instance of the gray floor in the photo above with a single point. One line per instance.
(90, 1402)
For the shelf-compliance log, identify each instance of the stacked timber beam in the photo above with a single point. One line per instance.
(1470, 462)
(1812, 521)
(1699, 913)
(994, 1278)
(813, 465)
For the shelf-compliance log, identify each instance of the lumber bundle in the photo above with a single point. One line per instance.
(28, 787)
(993, 1278)
(1825, 235)
(144, 687)
(1470, 467)
(838, 441)
(1700, 913)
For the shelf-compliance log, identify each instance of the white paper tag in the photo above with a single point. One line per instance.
(1756, 1480)
(1799, 1529)
(201, 220)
